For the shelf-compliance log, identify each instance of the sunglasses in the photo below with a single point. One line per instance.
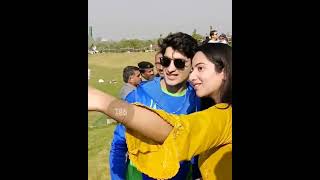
(178, 63)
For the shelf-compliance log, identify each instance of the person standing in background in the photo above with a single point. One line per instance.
(158, 65)
(131, 77)
(146, 70)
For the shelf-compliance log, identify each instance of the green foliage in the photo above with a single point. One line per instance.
(196, 36)
(126, 44)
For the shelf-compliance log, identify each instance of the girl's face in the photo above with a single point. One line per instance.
(204, 78)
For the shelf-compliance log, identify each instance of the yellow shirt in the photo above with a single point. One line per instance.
(208, 133)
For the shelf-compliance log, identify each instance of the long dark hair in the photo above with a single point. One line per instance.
(221, 56)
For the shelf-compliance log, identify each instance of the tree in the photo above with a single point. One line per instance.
(196, 36)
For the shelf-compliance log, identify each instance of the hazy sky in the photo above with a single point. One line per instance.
(147, 19)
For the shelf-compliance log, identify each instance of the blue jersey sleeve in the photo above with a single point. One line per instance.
(131, 97)
(118, 154)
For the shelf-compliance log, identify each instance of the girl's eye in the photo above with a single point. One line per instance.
(200, 68)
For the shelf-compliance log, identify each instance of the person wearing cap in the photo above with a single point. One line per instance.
(146, 70)
(171, 93)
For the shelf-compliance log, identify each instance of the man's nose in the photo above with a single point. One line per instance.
(171, 67)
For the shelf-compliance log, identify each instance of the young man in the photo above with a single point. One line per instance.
(131, 77)
(214, 37)
(146, 70)
(172, 93)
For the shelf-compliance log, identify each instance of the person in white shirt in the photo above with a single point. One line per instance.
(214, 37)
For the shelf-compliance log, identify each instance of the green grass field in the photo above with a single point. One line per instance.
(108, 67)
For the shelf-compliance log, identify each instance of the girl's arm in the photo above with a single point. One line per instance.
(138, 119)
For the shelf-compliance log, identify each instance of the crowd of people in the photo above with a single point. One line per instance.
(216, 38)
(178, 122)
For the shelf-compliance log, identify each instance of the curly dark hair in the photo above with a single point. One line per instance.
(181, 42)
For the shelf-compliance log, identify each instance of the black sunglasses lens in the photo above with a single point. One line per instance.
(165, 61)
(179, 63)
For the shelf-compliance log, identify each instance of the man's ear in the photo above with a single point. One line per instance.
(130, 78)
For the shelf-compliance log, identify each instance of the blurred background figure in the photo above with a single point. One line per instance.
(223, 39)
(146, 70)
(158, 65)
(214, 36)
(132, 78)
(206, 40)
